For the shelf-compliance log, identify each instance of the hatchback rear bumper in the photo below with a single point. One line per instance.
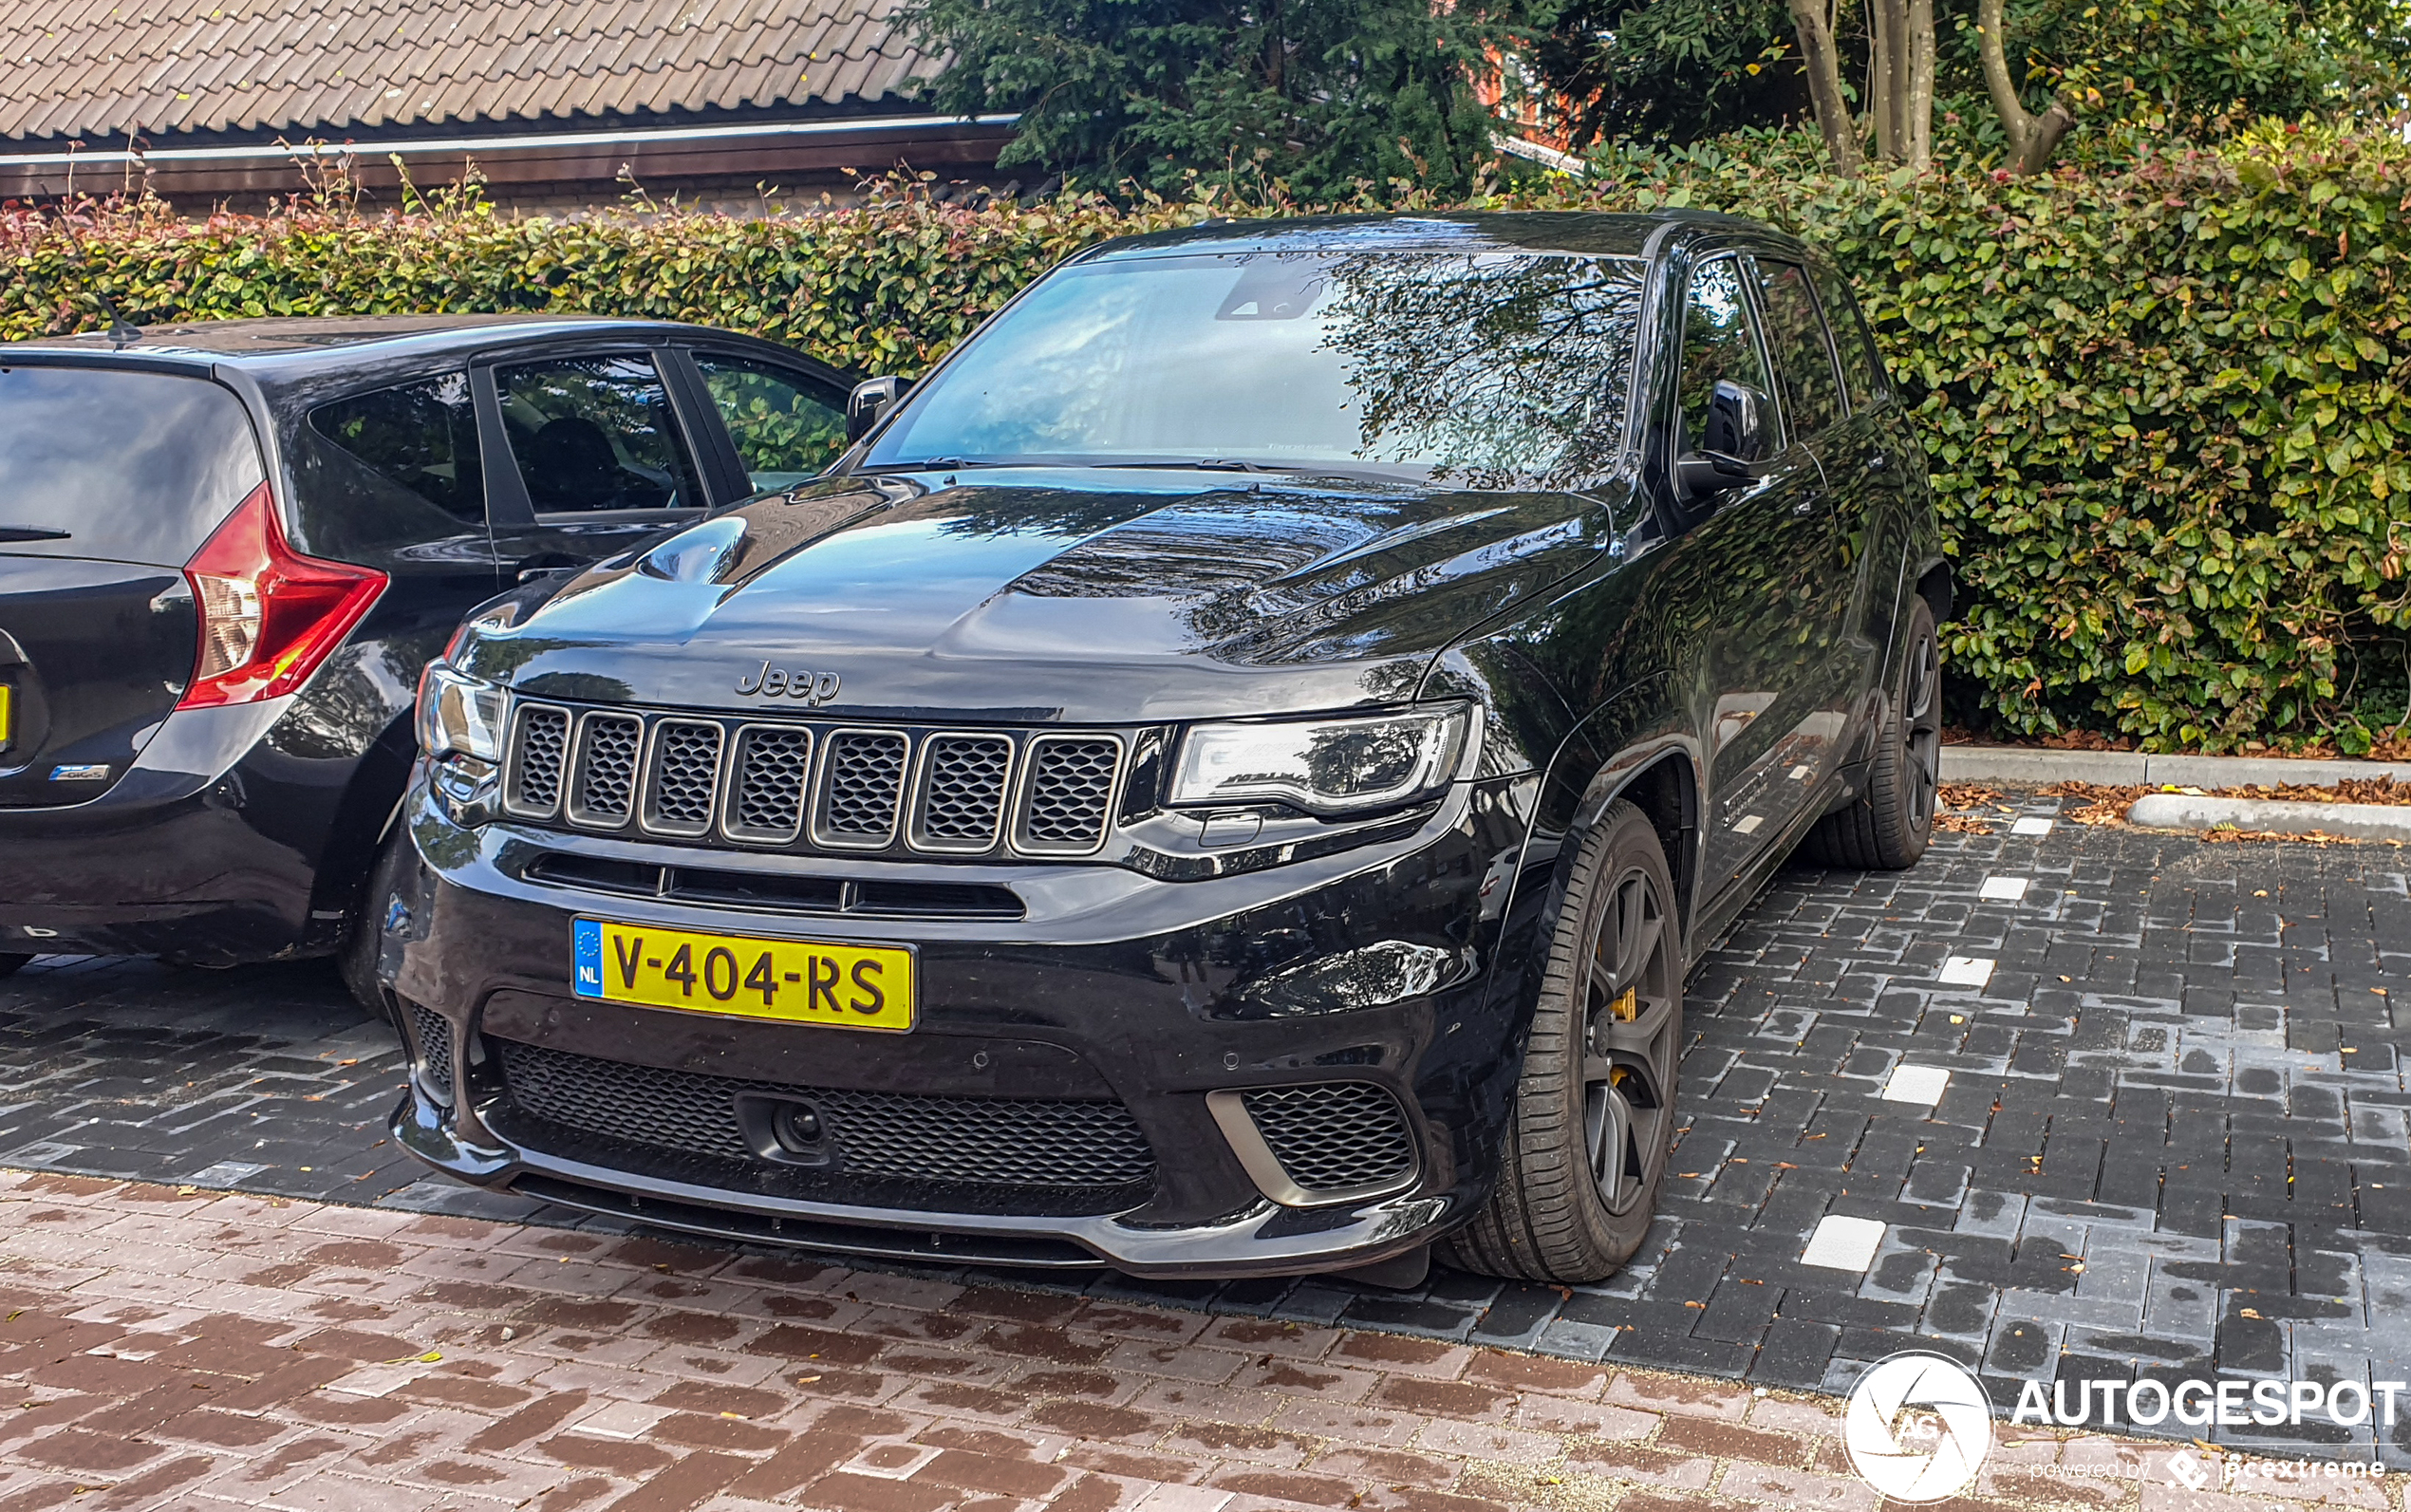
(175, 858)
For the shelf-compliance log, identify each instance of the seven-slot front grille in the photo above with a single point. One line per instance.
(890, 1136)
(827, 787)
(1334, 1135)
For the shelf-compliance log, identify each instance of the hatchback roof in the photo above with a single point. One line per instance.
(289, 346)
(1583, 233)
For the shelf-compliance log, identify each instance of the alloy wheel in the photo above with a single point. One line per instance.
(1632, 1000)
(1921, 696)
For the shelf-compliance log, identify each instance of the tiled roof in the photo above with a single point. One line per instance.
(95, 69)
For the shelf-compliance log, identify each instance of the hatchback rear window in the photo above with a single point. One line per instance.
(122, 466)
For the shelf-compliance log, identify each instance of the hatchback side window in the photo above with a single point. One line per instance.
(1861, 369)
(1717, 346)
(420, 436)
(786, 426)
(1796, 334)
(592, 434)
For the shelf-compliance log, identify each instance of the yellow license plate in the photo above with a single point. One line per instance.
(802, 982)
(7, 720)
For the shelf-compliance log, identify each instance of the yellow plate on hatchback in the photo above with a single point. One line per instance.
(802, 982)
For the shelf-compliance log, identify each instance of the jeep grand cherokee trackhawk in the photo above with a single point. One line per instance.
(1226, 776)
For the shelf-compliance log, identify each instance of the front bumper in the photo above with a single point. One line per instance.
(1386, 966)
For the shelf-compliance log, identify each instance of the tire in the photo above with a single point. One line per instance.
(1594, 1110)
(355, 959)
(1887, 827)
(12, 964)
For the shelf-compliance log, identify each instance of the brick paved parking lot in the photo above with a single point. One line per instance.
(2086, 1103)
(192, 1350)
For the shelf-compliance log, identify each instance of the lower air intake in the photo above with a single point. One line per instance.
(973, 1141)
(1333, 1136)
(434, 1032)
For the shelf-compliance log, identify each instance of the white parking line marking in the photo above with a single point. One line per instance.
(2030, 825)
(1966, 971)
(1844, 1244)
(1917, 1084)
(2001, 889)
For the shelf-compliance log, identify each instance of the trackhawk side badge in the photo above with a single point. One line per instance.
(814, 688)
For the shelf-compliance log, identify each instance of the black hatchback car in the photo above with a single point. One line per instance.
(1228, 777)
(227, 550)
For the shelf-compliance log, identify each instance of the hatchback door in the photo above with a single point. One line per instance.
(588, 452)
(111, 479)
(785, 421)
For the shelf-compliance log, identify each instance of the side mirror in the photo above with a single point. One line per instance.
(1736, 421)
(871, 398)
(1736, 439)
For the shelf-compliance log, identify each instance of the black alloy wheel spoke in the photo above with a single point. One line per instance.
(1629, 1054)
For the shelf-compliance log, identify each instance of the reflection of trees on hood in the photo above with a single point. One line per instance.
(1504, 371)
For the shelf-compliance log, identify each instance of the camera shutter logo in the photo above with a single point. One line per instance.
(1918, 1428)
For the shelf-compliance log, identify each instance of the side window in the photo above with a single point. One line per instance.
(1717, 345)
(596, 433)
(1861, 369)
(784, 423)
(1796, 335)
(420, 436)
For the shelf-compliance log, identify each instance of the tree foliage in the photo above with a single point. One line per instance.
(2165, 404)
(1317, 95)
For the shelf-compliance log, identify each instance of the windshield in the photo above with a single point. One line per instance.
(1477, 369)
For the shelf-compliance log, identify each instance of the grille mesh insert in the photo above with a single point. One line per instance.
(963, 789)
(864, 782)
(685, 776)
(535, 775)
(1070, 783)
(434, 1032)
(1334, 1135)
(774, 767)
(977, 1141)
(607, 768)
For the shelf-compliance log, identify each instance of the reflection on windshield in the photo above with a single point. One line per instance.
(1476, 369)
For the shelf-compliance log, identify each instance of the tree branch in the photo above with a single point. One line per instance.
(2032, 139)
(1824, 84)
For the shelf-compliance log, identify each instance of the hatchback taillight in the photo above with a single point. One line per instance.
(269, 614)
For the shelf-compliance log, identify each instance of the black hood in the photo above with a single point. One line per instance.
(1047, 595)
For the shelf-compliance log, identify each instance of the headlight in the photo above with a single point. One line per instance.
(1323, 766)
(459, 715)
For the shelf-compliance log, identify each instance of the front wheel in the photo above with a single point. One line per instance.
(1594, 1114)
(1886, 827)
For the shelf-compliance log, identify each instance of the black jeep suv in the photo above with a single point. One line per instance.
(1227, 777)
(227, 549)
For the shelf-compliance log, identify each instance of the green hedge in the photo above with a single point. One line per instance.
(2162, 404)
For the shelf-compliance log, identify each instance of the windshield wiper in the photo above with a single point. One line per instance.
(928, 464)
(1210, 465)
(31, 532)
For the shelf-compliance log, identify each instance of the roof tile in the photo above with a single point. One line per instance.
(95, 68)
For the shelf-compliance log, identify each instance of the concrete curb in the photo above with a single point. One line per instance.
(2357, 821)
(2119, 769)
